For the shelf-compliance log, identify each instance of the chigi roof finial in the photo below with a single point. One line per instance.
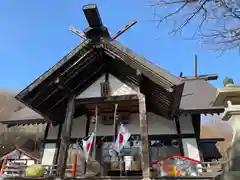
(96, 27)
(196, 66)
(205, 77)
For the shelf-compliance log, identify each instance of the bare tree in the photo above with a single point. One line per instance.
(215, 22)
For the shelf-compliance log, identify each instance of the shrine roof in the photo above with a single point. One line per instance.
(24, 116)
(198, 97)
(99, 53)
(27, 148)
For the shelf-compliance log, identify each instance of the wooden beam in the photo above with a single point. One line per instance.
(144, 135)
(92, 15)
(110, 99)
(196, 66)
(78, 33)
(178, 128)
(65, 137)
(205, 111)
(58, 142)
(206, 77)
(124, 29)
(176, 99)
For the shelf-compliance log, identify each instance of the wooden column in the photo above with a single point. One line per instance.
(65, 137)
(144, 135)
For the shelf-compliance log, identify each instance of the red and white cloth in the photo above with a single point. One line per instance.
(87, 145)
(122, 138)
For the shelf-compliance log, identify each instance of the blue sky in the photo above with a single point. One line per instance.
(34, 35)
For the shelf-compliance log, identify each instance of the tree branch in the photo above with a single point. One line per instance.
(222, 16)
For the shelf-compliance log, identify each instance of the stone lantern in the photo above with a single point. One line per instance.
(229, 97)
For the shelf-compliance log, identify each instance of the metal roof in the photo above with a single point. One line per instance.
(24, 116)
(198, 96)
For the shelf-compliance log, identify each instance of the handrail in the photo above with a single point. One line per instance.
(50, 170)
(112, 178)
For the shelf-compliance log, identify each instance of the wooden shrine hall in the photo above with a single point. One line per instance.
(103, 80)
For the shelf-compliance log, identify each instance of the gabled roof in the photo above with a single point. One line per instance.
(198, 96)
(98, 54)
(24, 116)
(151, 71)
(85, 64)
(27, 149)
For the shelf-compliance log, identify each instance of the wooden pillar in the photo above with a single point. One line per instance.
(65, 137)
(144, 136)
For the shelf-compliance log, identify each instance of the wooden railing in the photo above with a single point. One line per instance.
(209, 171)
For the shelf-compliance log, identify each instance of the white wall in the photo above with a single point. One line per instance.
(190, 148)
(102, 130)
(79, 127)
(23, 156)
(117, 88)
(189, 144)
(53, 132)
(186, 125)
(49, 153)
(156, 125)
(160, 125)
(29, 160)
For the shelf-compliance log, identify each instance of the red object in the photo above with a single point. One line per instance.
(121, 138)
(166, 167)
(74, 164)
(89, 145)
(159, 161)
(3, 166)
